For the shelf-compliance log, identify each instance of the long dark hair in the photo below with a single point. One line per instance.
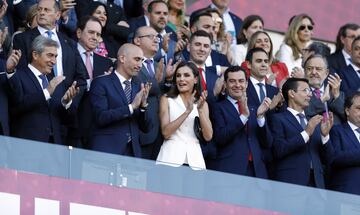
(91, 8)
(248, 21)
(174, 91)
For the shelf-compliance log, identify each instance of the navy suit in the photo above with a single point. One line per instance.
(253, 98)
(350, 80)
(113, 121)
(152, 140)
(293, 157)
(337, 61)
(79, 134)
(32, 117)
(345, 162)
(235, 140)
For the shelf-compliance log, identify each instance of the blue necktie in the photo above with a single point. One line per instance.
(127, 90)
(302, 120)
(49, 35)
(149, 67)
(358, 131)
(44, 81)
(262, 92)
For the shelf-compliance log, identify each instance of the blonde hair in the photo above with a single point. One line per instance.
(291, 37)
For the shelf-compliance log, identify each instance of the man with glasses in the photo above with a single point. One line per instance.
(298, 141)
(351, 74)
(326, 95)
(342, 56)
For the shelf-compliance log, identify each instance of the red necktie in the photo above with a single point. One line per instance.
(203, 83)
(250, 158)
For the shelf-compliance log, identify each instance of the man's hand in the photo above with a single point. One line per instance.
(147, 88)
(123, 23)
(313, 122)
(202, 100)
(13, 60)
(326, 124)
(159, 71)
(334, 82)
(138, 98)
(326, 95)
(65, 6)
(71, 92)
(3, 9)
(244, 109)
(265, 105)
(297, 72)
(54, 83)
(219, 85)
(277, 100)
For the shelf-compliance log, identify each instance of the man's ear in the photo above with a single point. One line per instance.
(78, 33)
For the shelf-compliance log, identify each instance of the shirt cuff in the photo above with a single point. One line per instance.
(261, 121)
(9, 75)
(305, 136)
(244, 119)
(47, 94)
(325, 139)
(131, 109)
(66, 106)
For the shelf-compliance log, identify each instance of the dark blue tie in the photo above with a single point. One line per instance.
(149, 64)
(44, 81)
(127, 90)
(49, 35)
(358, 131)
(302, 120)
(262, 92)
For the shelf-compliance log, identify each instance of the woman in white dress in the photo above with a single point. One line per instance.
(297, 37)
(178, 110)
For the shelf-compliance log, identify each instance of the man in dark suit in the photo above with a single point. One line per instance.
(326, 95)
(232, 22)
(298, 142)
(240, 131)
(341, 58)
(202, 20)
(350, 75)
(146, 38)
(345, 140)
(37, 105)
(88, 34)
(68, 62)
(4, 114)
(119, 103)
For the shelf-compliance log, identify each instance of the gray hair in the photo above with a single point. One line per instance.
(40, 42)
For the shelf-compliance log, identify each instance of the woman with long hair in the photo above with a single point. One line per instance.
(178, 110)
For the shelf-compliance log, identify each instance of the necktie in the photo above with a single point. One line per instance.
(88, 65)
(49, 35)
(44, 81)
(302, 120)
(149, 67)
(203, 82)
(127, 90)
(262, 92)
(317, 93)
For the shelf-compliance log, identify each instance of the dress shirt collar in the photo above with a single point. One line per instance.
(43, 30)
(255, 82)
(346, 57)
(353, 127)
(81, 49)
(121, 78)
(355, 67)
(34, 70)
(147, 21)
(295, 112)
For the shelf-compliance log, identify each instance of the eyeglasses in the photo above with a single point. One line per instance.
(309, 27)
(305, 90)
(150, 36)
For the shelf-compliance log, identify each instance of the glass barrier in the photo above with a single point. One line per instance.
(120, 171)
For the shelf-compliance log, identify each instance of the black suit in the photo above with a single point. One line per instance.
(4, 115)
(80, 134)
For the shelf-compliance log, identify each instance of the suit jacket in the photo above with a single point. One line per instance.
(337, 61)
(235, 140)
(253, 98)
(293, 157)
(79, 135)
(4, 114)
(152, 140)
(32, 117)
(113, 121)
(345, 162)
(350, 80)
(236, 20)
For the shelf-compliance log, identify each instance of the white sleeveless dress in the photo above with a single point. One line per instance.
(183, 146)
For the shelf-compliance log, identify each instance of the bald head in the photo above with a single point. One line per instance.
(130, 58)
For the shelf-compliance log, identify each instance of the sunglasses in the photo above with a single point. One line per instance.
(309, 27)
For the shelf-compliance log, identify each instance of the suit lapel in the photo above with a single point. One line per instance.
(118, 87)
(229, 107)
(352, 137)
(292, 120)
(34, 79)
(253, 97)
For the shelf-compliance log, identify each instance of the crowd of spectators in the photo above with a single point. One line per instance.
(137, 78)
